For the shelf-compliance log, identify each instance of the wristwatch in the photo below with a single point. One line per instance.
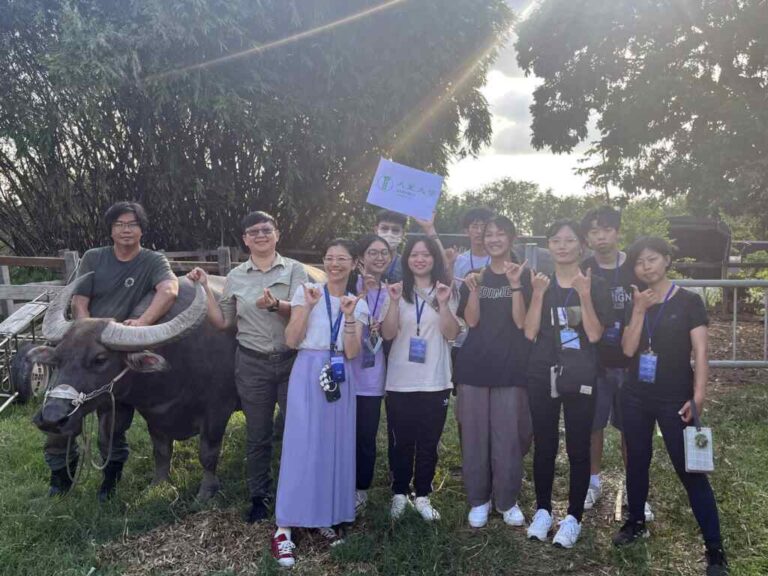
(274, 307)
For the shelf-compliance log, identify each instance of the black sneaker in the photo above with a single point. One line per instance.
(258, 512)
(630, 532)
(717, 565)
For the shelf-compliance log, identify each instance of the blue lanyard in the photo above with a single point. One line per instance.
(650, 327)
(375, 304)
(420, 309)
(335, 325)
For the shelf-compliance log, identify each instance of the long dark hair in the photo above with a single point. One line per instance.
(351, 247)
(438, 273)
(362, 246)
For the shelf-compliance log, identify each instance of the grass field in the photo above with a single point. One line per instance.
(162, 530)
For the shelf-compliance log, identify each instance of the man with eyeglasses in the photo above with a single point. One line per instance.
(256, 298)
(123, 274)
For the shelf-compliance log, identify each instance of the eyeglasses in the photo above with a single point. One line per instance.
(385, 228)
(476, 226)
(256, 232)
(377, 254)
(339, 259)
(132, 225)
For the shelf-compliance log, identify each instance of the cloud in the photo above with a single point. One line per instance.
(514, 139)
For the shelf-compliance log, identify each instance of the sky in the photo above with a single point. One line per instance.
(510, 94)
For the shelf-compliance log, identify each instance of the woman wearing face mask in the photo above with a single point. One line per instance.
(316, 486)
(666, 325)
(369, 367)
(565, 319)
(421, 321)
(492, 405)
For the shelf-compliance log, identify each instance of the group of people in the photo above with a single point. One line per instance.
(604, 338)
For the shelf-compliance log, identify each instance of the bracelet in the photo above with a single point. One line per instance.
(274, 307)
(518, 289)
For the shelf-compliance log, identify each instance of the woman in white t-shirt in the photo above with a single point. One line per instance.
(421, 321)
(316, 486)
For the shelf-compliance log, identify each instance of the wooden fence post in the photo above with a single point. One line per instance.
(71, 260)
(6, 306)
(225, 260)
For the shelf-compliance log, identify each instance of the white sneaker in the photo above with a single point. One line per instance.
(399, 502)
(478, 515)
(425, 508)
(361, 499)
(568, 533)
(540, 525)
(514, 516)
(593, 495)
(649, 515)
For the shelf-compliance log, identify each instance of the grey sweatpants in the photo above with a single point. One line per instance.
(496, 434)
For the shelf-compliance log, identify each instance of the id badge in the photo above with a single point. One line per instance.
(418, 351)
(647, 369)
(369, 358)
(569, 338)
(337, 367)
(612, 334)
(619, 297)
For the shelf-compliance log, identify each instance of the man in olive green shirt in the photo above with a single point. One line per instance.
(257, 298)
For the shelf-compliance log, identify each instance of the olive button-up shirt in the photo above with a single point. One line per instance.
(259, 329)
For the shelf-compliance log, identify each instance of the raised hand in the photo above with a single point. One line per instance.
(539, 282)
(582, 283)
(472, 281)
(442, 293)
(369, 282)
(312, 294)
(198, 275)
(514, 273)
(428, 226)
(348, 304)
(266, 300)
(395, 291)
(641, 301)
(450, 257)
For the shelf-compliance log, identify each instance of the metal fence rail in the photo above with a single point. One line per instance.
(734, 285)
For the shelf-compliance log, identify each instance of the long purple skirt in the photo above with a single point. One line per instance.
(316, 486)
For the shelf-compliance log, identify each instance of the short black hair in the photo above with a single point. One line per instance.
(390, 216)
(604, 216)
(480, 213)
(257, 217)
(558, 225)
(119, 208)
(652, 243)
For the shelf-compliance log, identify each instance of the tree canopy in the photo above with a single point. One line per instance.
(679, 91)
(205, 109)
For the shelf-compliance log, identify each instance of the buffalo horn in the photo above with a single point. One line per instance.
(55, 323)
(117, 336)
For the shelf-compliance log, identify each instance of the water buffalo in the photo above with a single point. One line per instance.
(184, 386)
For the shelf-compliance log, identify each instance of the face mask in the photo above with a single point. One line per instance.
(392, 239)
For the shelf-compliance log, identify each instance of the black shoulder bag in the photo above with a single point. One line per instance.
(576, 370)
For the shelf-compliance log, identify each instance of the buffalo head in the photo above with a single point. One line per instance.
(90, 353)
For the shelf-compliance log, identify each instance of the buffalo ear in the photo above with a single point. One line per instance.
(42, 355)
(146, 361)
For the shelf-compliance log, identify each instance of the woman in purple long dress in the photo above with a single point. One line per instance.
(316, 486)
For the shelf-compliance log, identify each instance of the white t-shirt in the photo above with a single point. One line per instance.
(318, 336)
(435, 373)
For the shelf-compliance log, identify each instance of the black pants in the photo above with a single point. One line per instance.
(415, 421)
(261, 383)
(55, 448)
(578, 411)
(368, 414)
(639, 415)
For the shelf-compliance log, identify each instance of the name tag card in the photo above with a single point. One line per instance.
(337, 367)
(612, 335)
(569, 338)
(418, 351)
(647, 369)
